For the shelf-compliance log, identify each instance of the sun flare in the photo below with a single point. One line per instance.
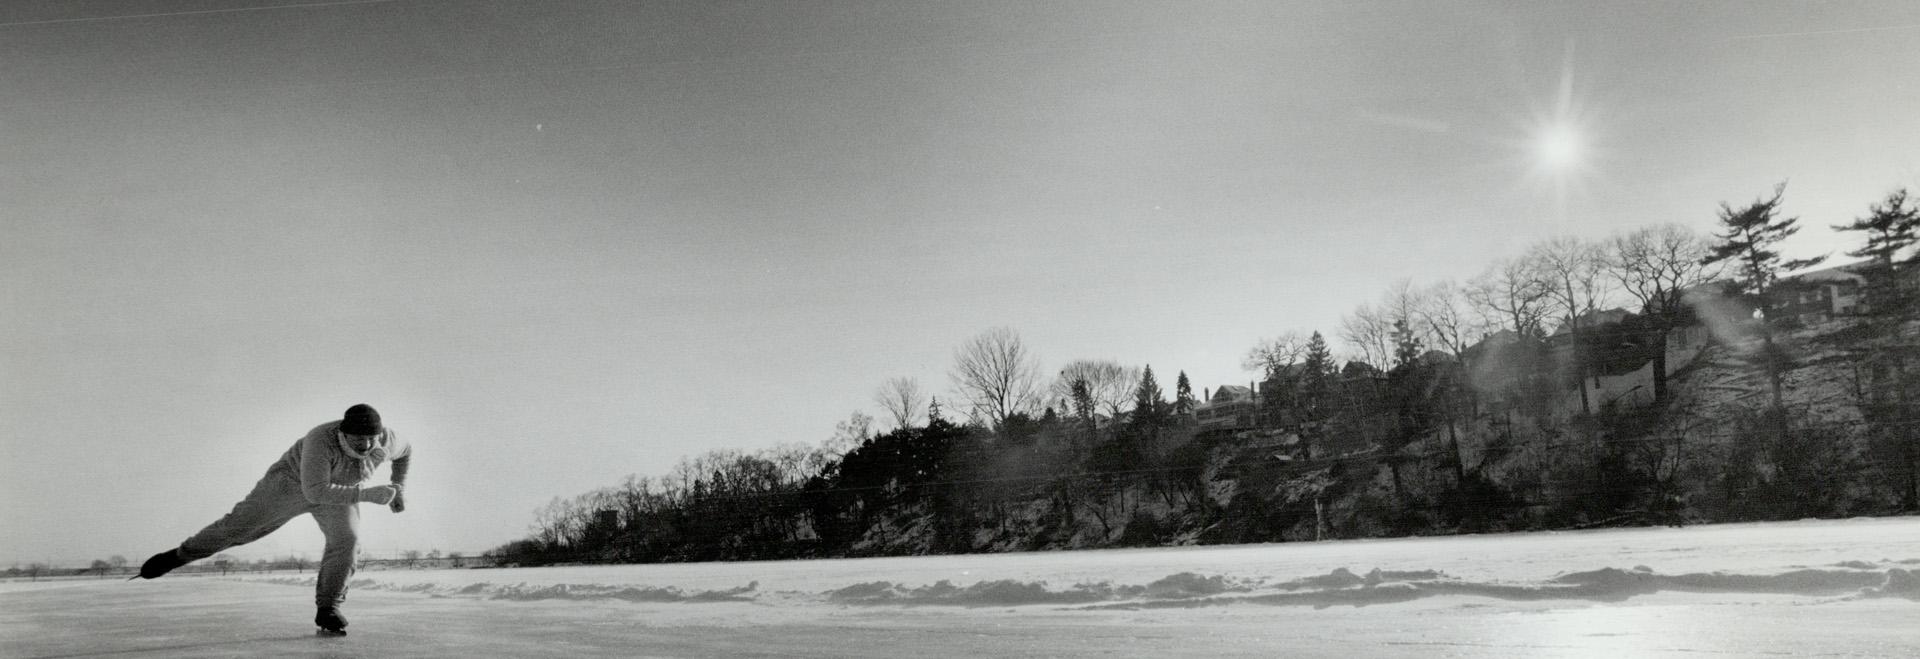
(1559, 147)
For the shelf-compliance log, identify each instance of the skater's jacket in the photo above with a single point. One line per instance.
(328, 474)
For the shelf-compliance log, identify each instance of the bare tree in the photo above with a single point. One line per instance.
(1371, 329)
(1109, 384)
(1448, 317)
(1571, 271)
(297, 562)
(795, 462)
(559, 523)
(1270, 356)
(997, 375)
(1508, 296)
(1402, 303)
(1657, 265)
(1442, 309)
(902, 399)
(847, 436)
(1370, 332)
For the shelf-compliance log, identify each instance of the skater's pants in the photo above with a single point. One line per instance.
(275, 500)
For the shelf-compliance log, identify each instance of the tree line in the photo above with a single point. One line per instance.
(1455, 407)
(117, 565)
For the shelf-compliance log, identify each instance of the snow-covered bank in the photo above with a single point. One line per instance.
(1853, 579)
(1859, 558)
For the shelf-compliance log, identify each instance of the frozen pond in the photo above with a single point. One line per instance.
(1844, 587)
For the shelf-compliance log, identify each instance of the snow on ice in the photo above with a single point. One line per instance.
(1847, 587)
(1834, 559)
(1187, 589)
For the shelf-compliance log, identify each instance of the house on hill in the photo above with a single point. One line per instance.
(1614, 343)
(1230, 406)
(1589, 320)
(1821, 295)
(1620, 364)
(1803, 298)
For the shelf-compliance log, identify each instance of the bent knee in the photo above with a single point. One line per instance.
(344, 537)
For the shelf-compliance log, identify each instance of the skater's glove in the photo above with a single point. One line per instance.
(380, 494)
(399, 503)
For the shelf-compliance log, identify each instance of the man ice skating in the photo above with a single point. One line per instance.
(322, 474)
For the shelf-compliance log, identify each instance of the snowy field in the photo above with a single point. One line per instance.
(1816, 588)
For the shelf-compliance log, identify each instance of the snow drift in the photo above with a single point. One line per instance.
(1339, 587)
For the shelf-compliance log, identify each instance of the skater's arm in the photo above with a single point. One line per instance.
(400, 466)
(401, 463)
(316, 477)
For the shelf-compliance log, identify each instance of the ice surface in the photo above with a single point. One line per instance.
(1814, 587)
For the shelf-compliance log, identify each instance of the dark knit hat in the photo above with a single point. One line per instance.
(360, 420)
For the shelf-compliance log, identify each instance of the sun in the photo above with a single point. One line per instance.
(1558, 136)
(1559, 147)
(1560, 144)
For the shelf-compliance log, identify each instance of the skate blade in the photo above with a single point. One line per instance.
(329, 632)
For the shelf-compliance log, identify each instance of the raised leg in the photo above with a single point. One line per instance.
(273, 501)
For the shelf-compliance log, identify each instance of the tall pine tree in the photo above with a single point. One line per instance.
(1183, 402)
(1407, 386)
(1892, 227)
(1888, 363)
(1313, 403)
(1750, 239)
(1406, 345)
(1149, 403)
(1084, 406)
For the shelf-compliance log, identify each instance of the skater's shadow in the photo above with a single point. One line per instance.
(178, 648)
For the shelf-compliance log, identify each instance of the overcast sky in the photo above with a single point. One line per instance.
(557, 243)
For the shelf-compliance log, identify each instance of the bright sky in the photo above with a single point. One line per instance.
(558, 243)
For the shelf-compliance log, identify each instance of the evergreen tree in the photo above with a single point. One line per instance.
(1408, 389)
(1888, 363)
(1316, 393)
(1149, 405)
(1183, 402)
(1319, 364)
(933, 411)
(1406, 345)
(1891, 227)
(1750, 240)
(1083, 404)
